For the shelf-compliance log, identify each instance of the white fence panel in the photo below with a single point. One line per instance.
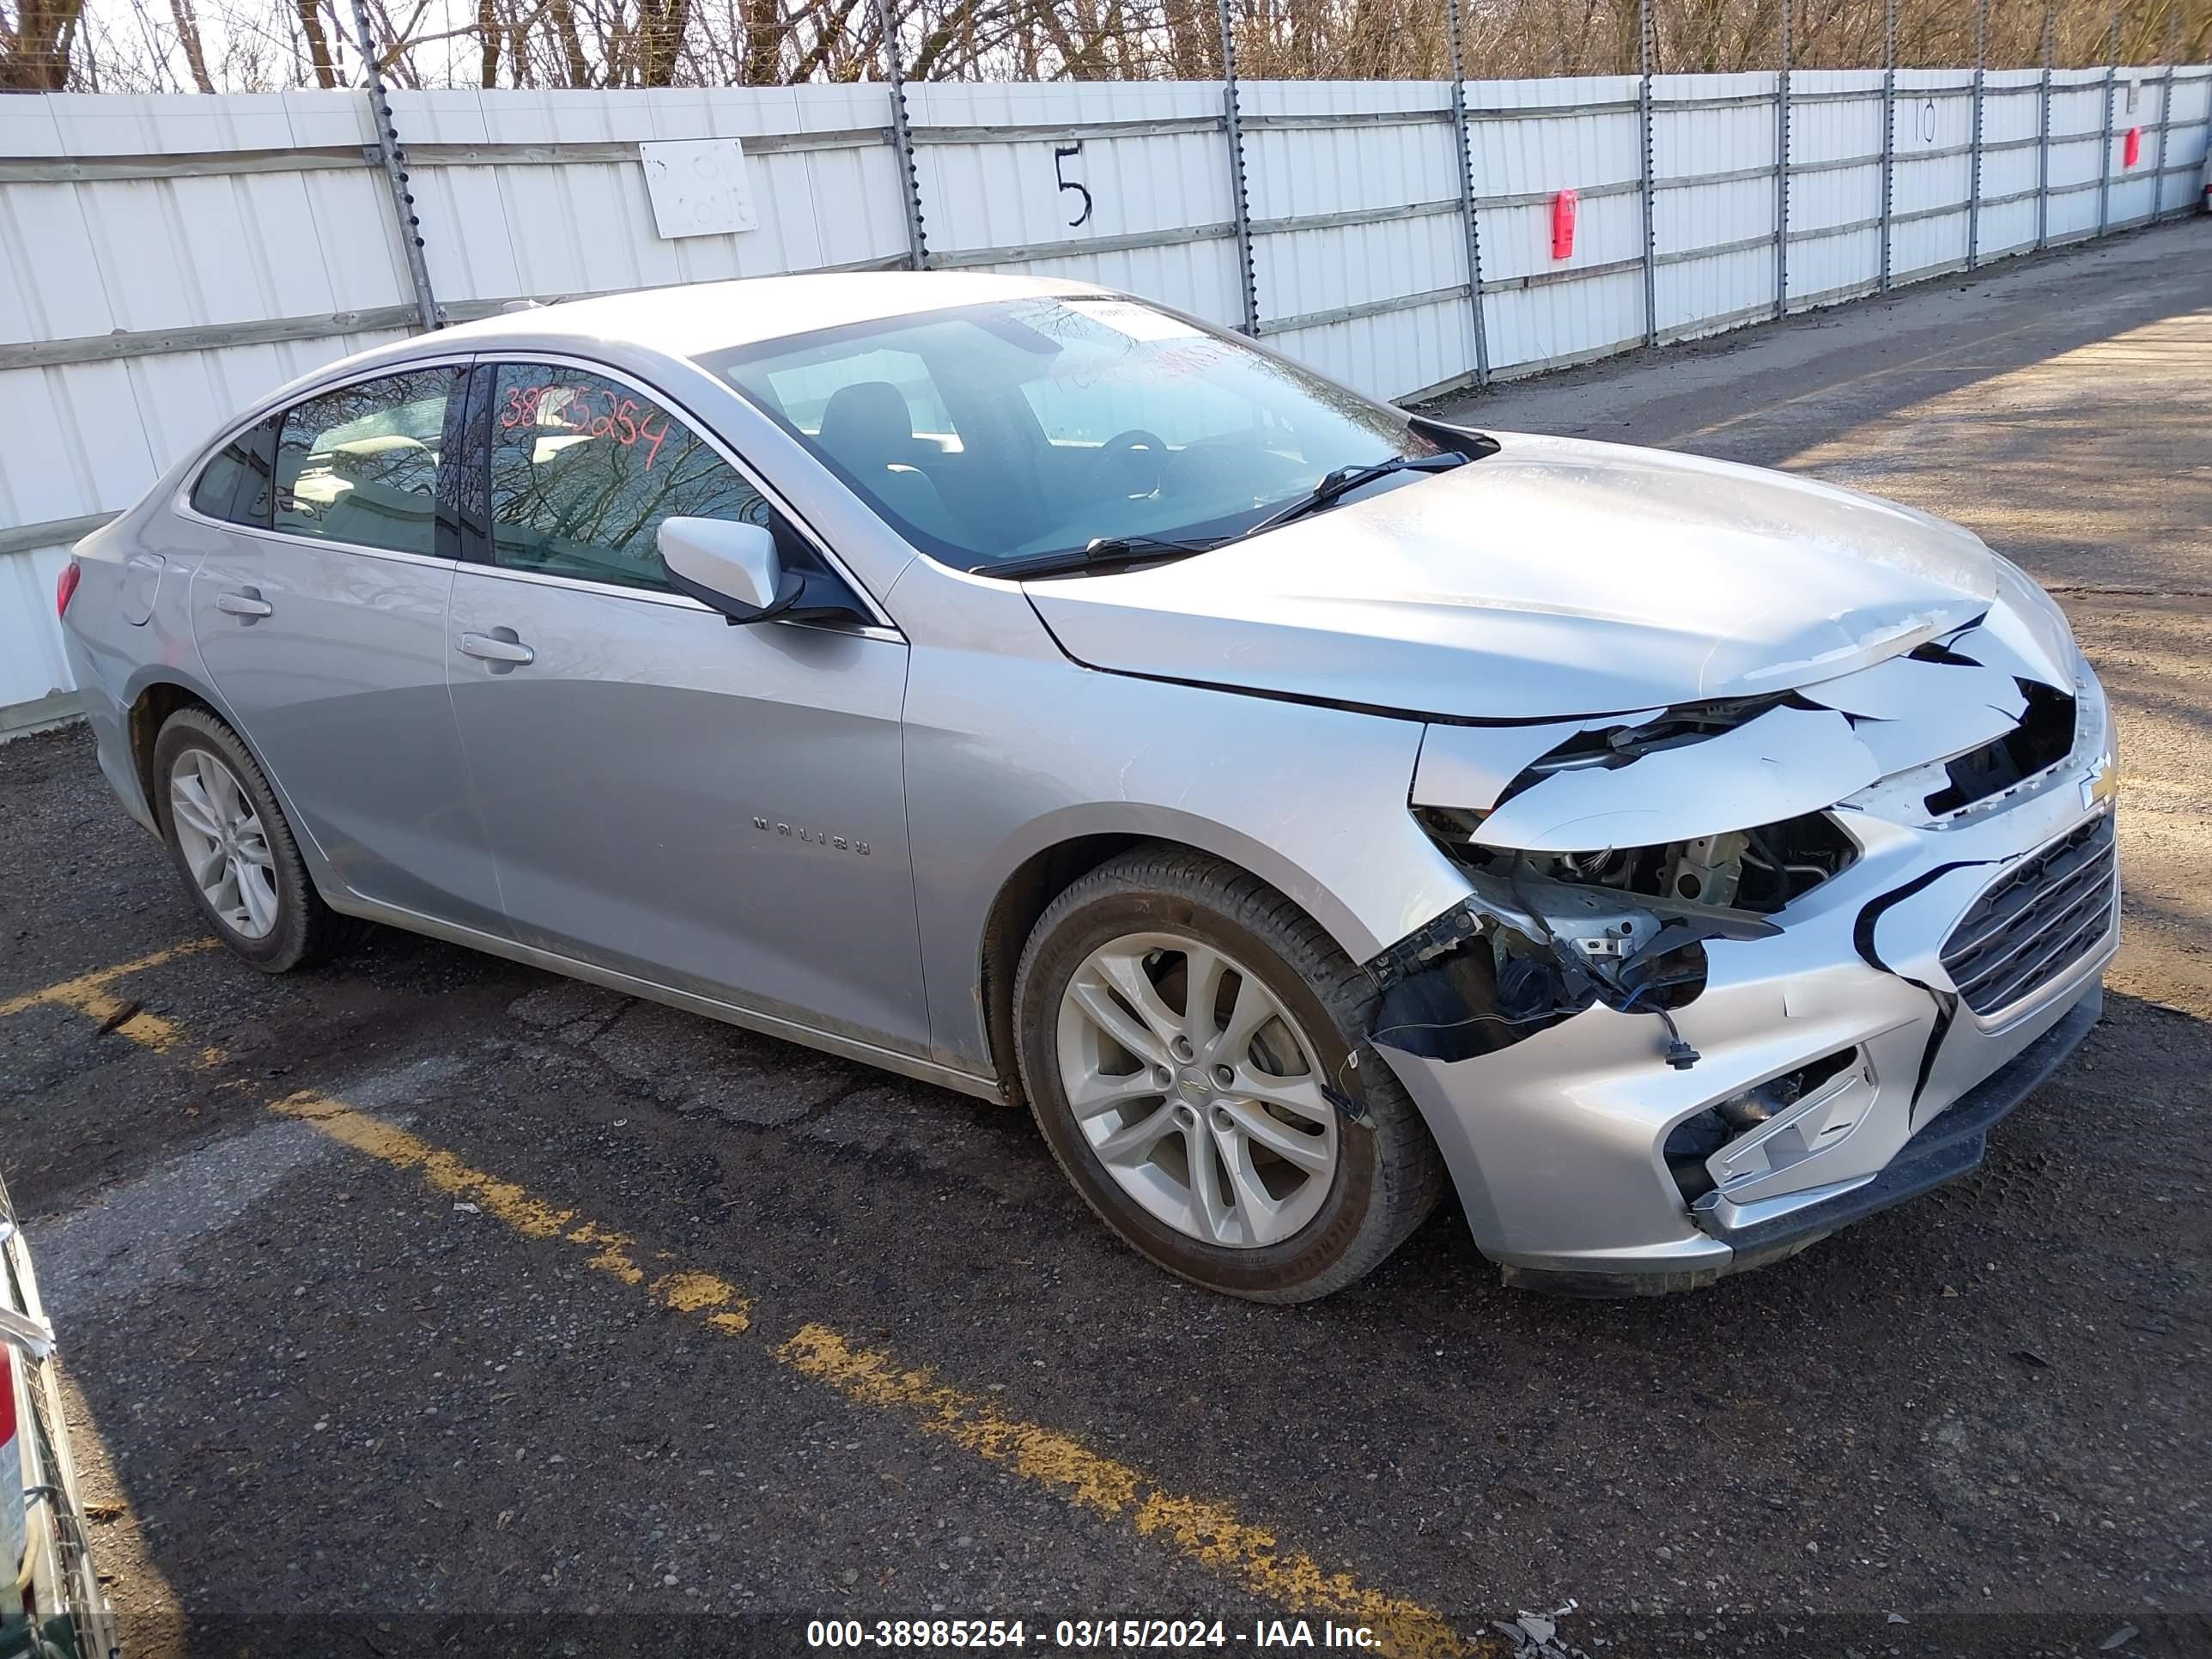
(2012, 114)
(32, 667)
(171, 258)
(503, 191)
(2186, 139)
(1933, 172)
(1390, 153)
(1835, 185)
(2077, 125)
(151, 257)
(1715, 241)
(2133, 187)
(1584, 140)
(2179, 185)
(1056, 181)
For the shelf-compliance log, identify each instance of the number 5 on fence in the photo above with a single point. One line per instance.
(1060, 171)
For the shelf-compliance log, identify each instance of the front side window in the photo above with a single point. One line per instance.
(1026, 428)
(360, 465)
(585, 467)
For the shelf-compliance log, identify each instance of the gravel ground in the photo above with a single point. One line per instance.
(347, 1402)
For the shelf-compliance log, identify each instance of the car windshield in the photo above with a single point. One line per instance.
(1028, 427)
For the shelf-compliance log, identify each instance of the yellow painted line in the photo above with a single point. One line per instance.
(724, 1307)
(90, 996)
(1207, 1533)
(1197, 1529)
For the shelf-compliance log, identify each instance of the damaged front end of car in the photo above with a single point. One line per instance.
(1722, 967)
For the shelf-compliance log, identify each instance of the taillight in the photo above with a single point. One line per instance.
(65, 587)
(7, 1399)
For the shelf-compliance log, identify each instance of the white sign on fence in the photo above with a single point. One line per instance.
(698, 187)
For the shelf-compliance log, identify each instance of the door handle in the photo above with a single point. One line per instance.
(247, 604)
(492, 648)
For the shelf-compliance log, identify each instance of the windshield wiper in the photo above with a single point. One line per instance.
(1108, 553)
(1346, 479)
(1103, 553)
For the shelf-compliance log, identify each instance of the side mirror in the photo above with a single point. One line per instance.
(731, 568)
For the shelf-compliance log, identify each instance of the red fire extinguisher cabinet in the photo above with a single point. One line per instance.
(1563, 225)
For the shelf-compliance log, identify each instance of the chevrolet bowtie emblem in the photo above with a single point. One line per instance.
(2103, 782)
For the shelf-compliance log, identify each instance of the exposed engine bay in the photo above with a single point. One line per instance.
(1560, 932)
(1603, 854)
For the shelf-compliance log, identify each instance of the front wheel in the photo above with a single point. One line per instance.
(1188, 1037)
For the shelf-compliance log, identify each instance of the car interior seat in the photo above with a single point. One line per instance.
(868, 431)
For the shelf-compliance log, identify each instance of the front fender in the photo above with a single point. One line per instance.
(1009, 756)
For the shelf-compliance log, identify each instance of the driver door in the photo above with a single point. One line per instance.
(716, 809)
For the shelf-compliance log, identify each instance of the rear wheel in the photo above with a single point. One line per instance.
(236, 853)
(1187, 1043)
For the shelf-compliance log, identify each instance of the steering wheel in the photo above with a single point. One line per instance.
(1121, 454)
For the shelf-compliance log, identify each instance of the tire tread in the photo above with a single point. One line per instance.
(1410, 1178)
(311, 932)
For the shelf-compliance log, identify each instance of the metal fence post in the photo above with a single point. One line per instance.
(1781, 171)
(917, 243)
(1888, 131)
(2112, 90)
(393, 155)
(1643, 26)
(2043, 138)
(1974, 188)
(2165, 113)
(1466, 195)
(1240, 201)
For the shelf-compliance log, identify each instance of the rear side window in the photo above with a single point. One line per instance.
(235, 485)
(360, 465)
(584, 468)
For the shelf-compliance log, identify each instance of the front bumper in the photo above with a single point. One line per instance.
(1556, 1143)
(1953, 1145)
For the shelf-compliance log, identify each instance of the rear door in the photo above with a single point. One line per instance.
(714, 808)
(320, 616)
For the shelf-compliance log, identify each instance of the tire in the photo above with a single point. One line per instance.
(300, 928)
(1385, 1175)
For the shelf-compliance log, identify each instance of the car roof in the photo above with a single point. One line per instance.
(693, 319)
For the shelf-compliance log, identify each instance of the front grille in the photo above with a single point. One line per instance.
(2037, 921)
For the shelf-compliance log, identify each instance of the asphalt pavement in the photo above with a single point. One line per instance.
(426, 1303)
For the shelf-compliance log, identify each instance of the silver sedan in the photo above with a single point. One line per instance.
(1304, 807)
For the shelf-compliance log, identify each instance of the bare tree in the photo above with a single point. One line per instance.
(36, 43)
(251, 44)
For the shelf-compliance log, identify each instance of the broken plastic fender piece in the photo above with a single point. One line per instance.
(1905, 687)
(1899, 937)
(1469, 766)
(1785, 763)
(1450, 994)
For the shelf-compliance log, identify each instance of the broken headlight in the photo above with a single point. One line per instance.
(1545, 935)
(1760, 871)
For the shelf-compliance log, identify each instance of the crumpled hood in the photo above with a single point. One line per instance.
(1554, 578)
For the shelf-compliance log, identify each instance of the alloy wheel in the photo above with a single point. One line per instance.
(219, 831)
(1196, 1090)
